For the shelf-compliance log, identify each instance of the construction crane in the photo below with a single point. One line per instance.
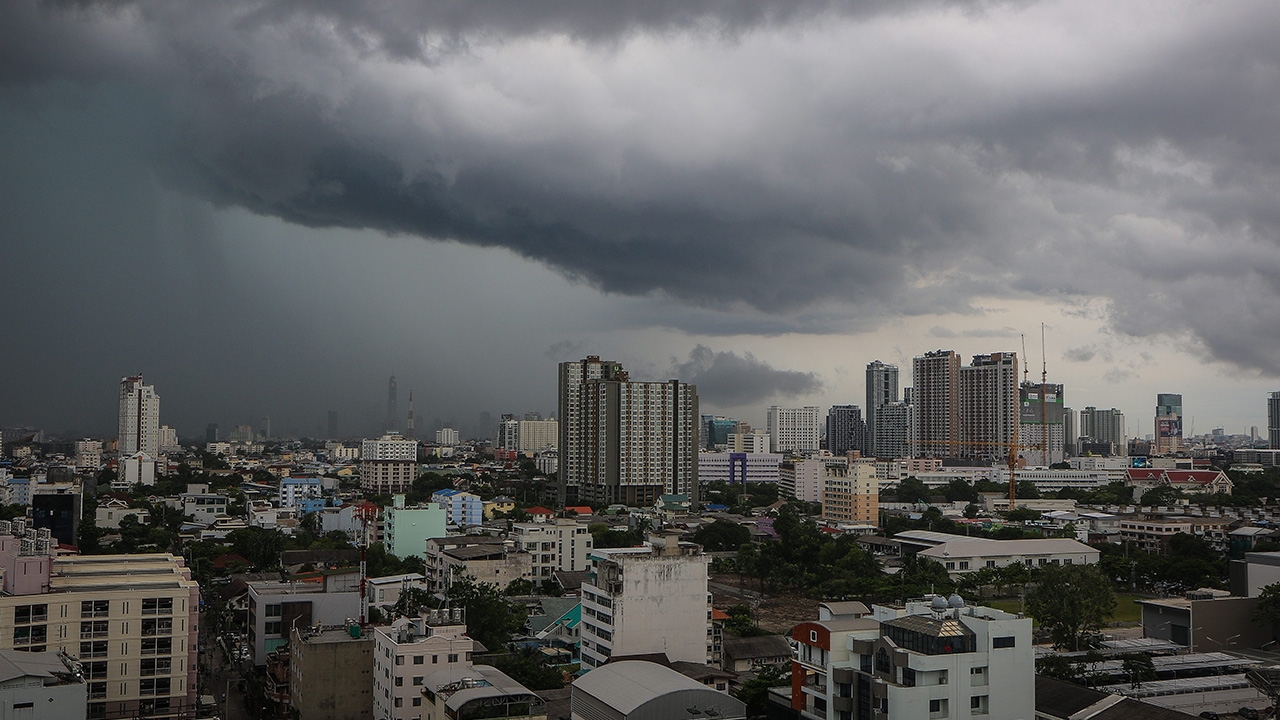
(1011, 457)
(367, 514)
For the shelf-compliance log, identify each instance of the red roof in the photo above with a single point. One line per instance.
(719, 614)
(539, 510)
(1202, 477)
(580, 509)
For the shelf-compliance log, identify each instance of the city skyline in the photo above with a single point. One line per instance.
(270, 217)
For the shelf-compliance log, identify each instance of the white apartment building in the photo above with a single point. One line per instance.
(88, 455)
(388, 465)
(804, 479)
(752, 442)
(560, 545)
(794, 430)
(989, 405)
(929, 660)
(538, 435)
(851, 494)
(572, 378)
(447, 437)
(391, 446)
(652, 599)
(508, 433)
(131, 620)
(139, 418)
(736, 467)
(169, 440)
(204, 507)
(407, 652)
(293, 490)
(136, 469)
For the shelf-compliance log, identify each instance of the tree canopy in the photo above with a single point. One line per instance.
(1071, 602)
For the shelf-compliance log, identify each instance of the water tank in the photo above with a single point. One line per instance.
(354, 630)
(457, 615)
(955, 601)
(938, 603)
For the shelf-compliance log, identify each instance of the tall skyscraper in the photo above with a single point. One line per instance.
(139, 418)
(882, 389)
(639, 440)
(1168, 424)
(211, 432)
(894, 431)
(1041, 412)
(794, 430)
(846, 430)
(989, 405)
(508, 433)
(936, 407)
(1273, 420)
(573, 376)
(393, 415)
(1103, 427)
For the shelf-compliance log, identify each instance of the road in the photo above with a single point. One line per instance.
(218, 677)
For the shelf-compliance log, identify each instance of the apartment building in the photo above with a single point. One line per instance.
(793, 430)
(275, 608)
(804, 479)
(738, 467)
(131, 620)
(406, 529)
(651, 599)
(851, 494)
(388, 465)
(321, 655)
(408, 651)
(487, 559)
(461, 508)
(560, 545)
(926, 660)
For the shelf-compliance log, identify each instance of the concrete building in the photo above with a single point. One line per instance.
(1256, 571)
(277, 607)
(894, 430)
(966, 555)
(1103, 426)
(138, 468)
(1168, 435)
(882, 389)
(487, 559)
(1041, 413)
(936, 403)
(1205, 621)
(804, 479)
(561, 545)
(1273, 420)
(573, 377)
(925, 661)
(738, 467)
(139, 418)
(331, 672)
(111, 511)
(88, 455)
(388, 465)
(747, 442)
(41, 684)
(169, 440)
(132, 620)
(716, 430)
(407, 652)
(447, 437)
(651, 599)
(478, 691)
(202, 505)
(639, 690)
(847, 431)
(794, 430)
(462, 509)
(537, 435)
(851, 494)
(989, 406)
(508, 433)
(294, 491)
(406, 529)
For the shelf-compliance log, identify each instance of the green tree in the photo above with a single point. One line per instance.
(412, 600)
(1137, 668)
(1026, 490)
(755, 692)
(1268, 608)
(490, 618)
(722, 535)
(1022, 514)
(912, 490)
(958, 490)
(1071, 602)
(525, 667)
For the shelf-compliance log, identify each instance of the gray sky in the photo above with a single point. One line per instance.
(270, 207)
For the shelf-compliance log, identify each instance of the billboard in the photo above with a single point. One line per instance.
(1169, 426)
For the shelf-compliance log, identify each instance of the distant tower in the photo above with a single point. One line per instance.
(211, 432)
(1273, 420)
(882, 389)
(139, 418)
(409, 427)
(1168, 423)
(393, 415)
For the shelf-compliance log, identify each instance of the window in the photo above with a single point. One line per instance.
(417, 679)
(157, 606)
(153, 627)
(273, 610)
(417, 701)
(156, 666)
(154, 686)
(95, 608)
(90, 650)
(1003, 642)
(30, 635)
(399, 702)
(417, 659)
(882, 660)
(97, 690)
(271, 627)
(157, 646)
(95, 670)
(978, 705)
(93, 629)
(453, 657)
(399, 659)
(399, 682)
(24, 614)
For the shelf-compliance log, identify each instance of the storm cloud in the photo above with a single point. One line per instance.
(755, 168)
(726, 379)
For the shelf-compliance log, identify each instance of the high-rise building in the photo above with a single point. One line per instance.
(650, 599)
(211, 433)
(717, 430)
(508, 433)
(794, 430)
(851, 493)
(409, 428)
(894, 430)
(537, 435)
(131, 620)
(393, 414)
(1041, 413)
(573, 377)
(882, 389)
(139, 418)
(1102, 427)
(936, 407)
(640, 441)
(1071, 427)
(846, 430)
(1168, 436)
(388, 465)
(447, 437)
(88, 455)
(1273, 420)
(989, 405)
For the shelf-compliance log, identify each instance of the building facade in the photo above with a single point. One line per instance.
(331, 672)
(846, 430)
(407, 652)
(893, 430)
(139, 418)
(652, 599)
(1168, 424)
(562, 545)
(1273, 420)
(406, 529)
(573, 377)
(936, 403)
(738, 467)
(851, 494)
(794, 430)
(989, 406)
(882, 389)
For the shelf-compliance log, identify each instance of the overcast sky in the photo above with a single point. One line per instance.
(269, 207)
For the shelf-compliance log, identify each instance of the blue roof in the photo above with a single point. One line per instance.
(715, 507)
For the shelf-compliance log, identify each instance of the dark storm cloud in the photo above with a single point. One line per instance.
(726, 379)
(761, 160)
(942, 332)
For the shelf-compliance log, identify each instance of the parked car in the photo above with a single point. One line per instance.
(1248, 713)
(1209, 715)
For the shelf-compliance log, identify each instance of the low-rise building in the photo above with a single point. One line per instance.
(112, 510)
(406, 529)
(295, 490)
(739, 467)
(462, 509)
(408, 651)
(560, 545)
(639, 690)
(331, 672)
(966, 555)
(277, 607)
(47, 685)
(478, 691)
